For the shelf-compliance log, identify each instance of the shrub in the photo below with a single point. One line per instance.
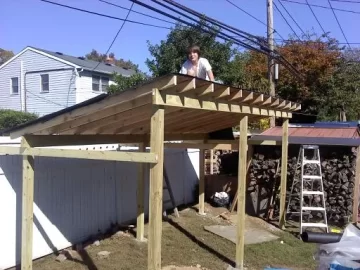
(11, 118)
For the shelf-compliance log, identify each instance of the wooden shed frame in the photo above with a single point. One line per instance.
(170, 108)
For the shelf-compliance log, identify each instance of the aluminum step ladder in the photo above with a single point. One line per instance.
(311, 189)
(171, 199)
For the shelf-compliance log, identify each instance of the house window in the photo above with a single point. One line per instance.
(15, 85)
(44, 82)
(95, 83)
(104, 84)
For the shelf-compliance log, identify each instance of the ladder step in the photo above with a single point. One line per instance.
(319, 225)
(312, 176)
(306, 161)
(311, 208)
(310, 146)
(306, 192)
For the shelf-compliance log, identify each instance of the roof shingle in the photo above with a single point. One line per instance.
(90, 64)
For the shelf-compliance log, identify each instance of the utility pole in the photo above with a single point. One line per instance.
(271, 64)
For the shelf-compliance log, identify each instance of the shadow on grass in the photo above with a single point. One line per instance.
(86, 260)
(200, 243)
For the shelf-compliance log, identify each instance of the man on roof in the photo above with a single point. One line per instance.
(196, 65)
(200, 67)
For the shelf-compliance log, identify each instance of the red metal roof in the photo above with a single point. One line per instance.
(315, 132)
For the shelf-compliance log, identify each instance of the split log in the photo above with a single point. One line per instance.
(338, 171)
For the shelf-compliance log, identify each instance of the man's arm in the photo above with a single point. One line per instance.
(209, 70)
(211, 75)
(183, 70)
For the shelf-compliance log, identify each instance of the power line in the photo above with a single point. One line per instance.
(117, 34)
(243, 34)
(246, 35)
(146, 15)
(346, 1)
(263, 48)
(325, 7)
(106, 16)
(285, 20)
(48, 100)
(253, 17)
(337, 20)
(291, 17)
(322, 28)
(313, 41)
(256, 39)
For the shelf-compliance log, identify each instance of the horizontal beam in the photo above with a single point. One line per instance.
(81, 154)
(164, 99)
(264, 142)
(215, 146)
(219, 144)
(62, 140)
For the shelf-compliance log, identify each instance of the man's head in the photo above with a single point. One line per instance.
(193, 53)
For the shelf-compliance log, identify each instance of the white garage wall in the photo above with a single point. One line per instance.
(74, 198)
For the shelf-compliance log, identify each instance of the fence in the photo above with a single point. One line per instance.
(74, 198)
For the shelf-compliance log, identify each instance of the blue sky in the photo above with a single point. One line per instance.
(39, 24)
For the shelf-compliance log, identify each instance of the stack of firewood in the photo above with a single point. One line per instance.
(338, 171)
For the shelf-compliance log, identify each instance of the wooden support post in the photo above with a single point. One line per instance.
(283, 180)
(140, 197)
(250, 152)
(355, 212)
(202, 182)
(27, 209)
(156, 189)
(211, 161)
(240, 241)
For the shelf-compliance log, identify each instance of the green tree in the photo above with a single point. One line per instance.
(168, 56)
(124, 83)
(11, 118)
(5, 55)
(343, 89)
(317, 60)
(99, 57)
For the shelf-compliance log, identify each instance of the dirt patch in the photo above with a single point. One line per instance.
(186, 244)
(173, 267)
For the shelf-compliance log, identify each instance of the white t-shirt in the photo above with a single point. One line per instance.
(201, 71)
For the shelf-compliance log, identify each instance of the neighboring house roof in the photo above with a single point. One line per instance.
(78, 62)
(316, 132)
(329, 124)
(335, 135)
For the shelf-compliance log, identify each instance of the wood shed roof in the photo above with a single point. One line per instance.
(337, 136)
(193, 106)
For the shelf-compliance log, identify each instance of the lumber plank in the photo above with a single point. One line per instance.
(283, 180)
(156, 189)
(240, 238)
(28, 173)
(81, 154)
(202, 182)
(355, 210)
(140, 221)
(200, 104)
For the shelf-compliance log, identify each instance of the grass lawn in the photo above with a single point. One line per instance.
(186, 243)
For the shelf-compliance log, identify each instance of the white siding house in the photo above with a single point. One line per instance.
(42, 82)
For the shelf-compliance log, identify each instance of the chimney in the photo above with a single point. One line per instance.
(109, 61)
